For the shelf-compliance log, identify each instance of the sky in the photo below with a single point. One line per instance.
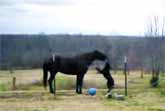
(107, 17)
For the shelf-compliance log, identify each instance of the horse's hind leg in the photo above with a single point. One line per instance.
(51, 78)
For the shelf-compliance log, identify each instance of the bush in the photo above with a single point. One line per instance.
(154, 81)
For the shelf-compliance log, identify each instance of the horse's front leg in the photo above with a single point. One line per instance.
(79, 83)
(51, 78)
(110, 85)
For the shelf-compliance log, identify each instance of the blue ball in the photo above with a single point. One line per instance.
(92, 91)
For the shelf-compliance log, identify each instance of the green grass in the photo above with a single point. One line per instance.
(141, 97)
(3, 87)
(142, 101)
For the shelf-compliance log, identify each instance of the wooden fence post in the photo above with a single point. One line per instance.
(14, 83)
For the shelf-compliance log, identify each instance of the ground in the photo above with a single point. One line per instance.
(30, 95)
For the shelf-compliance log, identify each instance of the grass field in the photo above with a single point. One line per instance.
(30, 95)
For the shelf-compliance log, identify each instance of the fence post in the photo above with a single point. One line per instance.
(142, 72)
(125, 72)
(14, 83)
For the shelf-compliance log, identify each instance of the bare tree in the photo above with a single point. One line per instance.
(155, 29)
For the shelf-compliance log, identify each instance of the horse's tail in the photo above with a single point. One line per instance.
(45, 74)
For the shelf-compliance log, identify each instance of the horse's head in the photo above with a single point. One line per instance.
(99, 55)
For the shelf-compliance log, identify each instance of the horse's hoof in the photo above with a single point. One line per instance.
(108, 95)
(79, 92)
(51, 92)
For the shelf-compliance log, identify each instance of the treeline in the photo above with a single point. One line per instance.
(29, 51)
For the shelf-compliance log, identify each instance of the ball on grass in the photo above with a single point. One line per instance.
(92, 91)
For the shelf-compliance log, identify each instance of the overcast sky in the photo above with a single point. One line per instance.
(124, 17)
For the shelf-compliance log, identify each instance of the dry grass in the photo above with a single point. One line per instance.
(26, 77)
(43, 101)
(33, 97)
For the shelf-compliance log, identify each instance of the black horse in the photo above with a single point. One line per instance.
(77, 65)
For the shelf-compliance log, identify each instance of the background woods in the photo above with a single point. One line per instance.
(29, 51)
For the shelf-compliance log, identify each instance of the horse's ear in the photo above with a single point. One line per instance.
(53, 57)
